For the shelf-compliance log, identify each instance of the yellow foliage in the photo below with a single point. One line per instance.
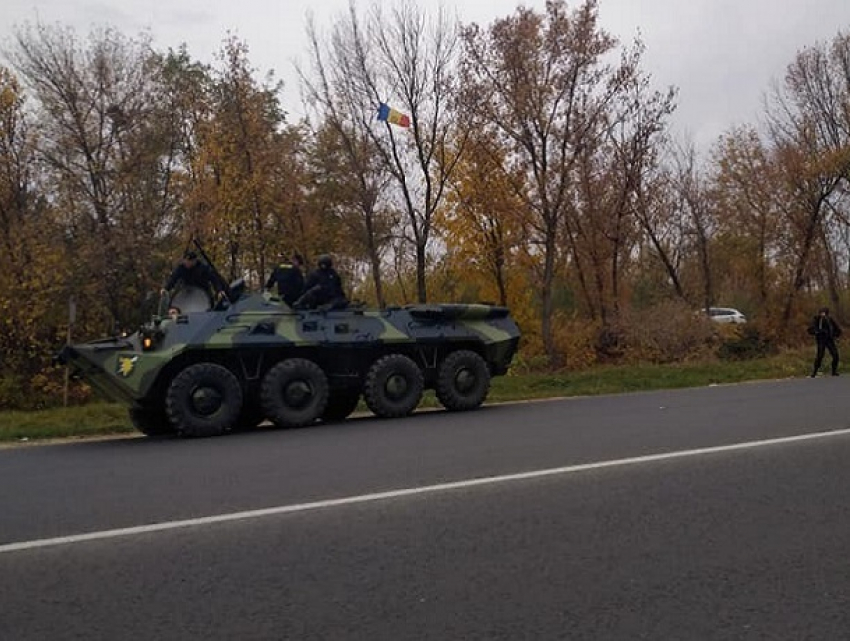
(574, 340)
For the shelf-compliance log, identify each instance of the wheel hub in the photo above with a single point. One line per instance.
(396, 386)
(464, 380)
(297, 393)
(206, 400)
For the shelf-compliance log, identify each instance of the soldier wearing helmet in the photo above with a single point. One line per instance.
(323, 287)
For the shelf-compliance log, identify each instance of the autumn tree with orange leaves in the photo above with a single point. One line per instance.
(107, 156)
(786, 188)
(31, 259)
(483, 223)
(542, 83)
(245, 203)
(537, 172)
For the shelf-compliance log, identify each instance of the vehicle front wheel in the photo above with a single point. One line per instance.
(463, 381)
(394, 386)
(204, 399)
(294, 393)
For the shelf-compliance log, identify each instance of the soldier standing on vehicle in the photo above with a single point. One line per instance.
(288, 279)
(826, 331)
(191, 272)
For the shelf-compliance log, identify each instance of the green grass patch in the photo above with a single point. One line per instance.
(103, 419)
(634, 378)
(94, 419)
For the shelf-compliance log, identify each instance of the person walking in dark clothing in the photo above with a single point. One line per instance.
(288, 279)
(826, 331)
(191, 272)
(323, 287)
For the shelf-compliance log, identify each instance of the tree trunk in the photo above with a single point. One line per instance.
(421, 286)
(548, 302)
(800, 269)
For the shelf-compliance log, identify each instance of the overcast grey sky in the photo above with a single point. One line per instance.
(722, 54)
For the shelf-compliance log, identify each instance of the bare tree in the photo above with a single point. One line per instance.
(809, 130)
(663, 228)
(360, 175)
(611, 169)
(402, 58)
(693, 204)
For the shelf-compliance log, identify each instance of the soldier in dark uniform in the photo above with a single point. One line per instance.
(825, 330)
(323, 287)
(288, 279)
(192, 272)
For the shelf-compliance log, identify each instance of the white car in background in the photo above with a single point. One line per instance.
(726, 315)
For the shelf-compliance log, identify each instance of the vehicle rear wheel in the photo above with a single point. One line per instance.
(294, 393)
(394, 386)
(150, 422)
(204, 399)
(463, 381)
(340, 406)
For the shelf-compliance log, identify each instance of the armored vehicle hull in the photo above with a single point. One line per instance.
(205, 373)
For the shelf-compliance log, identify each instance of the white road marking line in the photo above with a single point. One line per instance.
(413, 491)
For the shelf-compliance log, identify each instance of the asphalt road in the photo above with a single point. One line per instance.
(713, 513)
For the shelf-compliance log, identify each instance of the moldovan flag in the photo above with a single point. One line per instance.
(393, 116)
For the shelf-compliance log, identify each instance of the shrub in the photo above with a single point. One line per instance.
(573, 341)
(41, 391)
(744, 344)
(666, 333)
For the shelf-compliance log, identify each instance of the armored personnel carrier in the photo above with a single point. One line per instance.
(206, 372)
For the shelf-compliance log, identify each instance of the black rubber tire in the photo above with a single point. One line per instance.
(204, 399)
(340, 406)
(463, 381)
(294, 393)
(151, 422)
(394, 386)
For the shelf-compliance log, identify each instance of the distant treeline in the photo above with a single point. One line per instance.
(537, 171)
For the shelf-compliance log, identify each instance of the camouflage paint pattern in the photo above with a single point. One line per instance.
(258, 330)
